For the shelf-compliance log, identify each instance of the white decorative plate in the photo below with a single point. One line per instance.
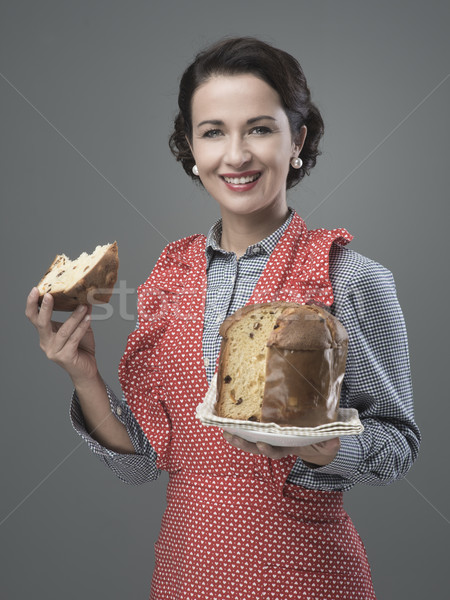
(348, 424)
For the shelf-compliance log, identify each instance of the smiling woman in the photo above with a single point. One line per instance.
(246, 520)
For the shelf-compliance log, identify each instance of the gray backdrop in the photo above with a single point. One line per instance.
(88, 91)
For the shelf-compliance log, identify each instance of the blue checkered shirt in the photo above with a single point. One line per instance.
(377, 380)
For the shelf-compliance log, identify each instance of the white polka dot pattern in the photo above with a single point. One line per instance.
(233, 528)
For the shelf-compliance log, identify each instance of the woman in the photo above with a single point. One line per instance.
(246, 520)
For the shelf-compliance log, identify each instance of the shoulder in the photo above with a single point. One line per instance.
(348, 266)
(176, 260)
(185, 248)
(353, 273)
(182, 252)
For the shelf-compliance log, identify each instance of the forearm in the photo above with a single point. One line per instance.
(377, 382)
(381, 455)
(100, 422)
(133, 469)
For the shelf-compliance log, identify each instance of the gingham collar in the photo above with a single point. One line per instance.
(265, 246)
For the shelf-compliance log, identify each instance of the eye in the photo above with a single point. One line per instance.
(261, 130)
(212, 133)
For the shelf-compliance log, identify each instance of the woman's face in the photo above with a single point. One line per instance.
(242, 143)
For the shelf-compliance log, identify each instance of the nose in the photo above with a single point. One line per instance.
(237, 151)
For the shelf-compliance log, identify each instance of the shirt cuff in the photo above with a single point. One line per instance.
(134, 469)
(120, 411)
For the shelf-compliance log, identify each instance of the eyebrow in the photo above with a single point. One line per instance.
(249, 122)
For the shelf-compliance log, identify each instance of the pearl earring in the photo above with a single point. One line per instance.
(195, 170)
(296, 162)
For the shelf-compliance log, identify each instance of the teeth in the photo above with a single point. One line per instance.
(241, 180)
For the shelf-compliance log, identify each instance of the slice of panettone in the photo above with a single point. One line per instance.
(89, 279)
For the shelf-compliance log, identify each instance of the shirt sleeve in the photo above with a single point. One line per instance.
(134, 469)
(377, 383)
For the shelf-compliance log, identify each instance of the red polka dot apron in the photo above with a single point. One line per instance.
(233, 528)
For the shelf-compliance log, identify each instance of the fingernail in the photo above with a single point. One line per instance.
(81, 308)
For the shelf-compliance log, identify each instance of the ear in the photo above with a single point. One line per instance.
(299, 140)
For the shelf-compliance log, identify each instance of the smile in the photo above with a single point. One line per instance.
(242, 180)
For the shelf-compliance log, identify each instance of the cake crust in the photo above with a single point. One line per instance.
(311, 327)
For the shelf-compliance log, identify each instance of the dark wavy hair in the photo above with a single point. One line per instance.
(235, 56)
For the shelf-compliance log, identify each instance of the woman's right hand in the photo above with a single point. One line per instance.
(71, 344)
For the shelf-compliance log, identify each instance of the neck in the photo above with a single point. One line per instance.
(241, 231)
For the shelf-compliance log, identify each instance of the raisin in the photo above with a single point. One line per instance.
(276, 326)
(252, 418)
(251, 335)
(257, 325)
(60, 273)
(227, 378)
(239, 401)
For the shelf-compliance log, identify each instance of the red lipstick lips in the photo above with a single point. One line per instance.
(241, 182)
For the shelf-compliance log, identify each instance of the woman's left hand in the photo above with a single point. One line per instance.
(315, 455)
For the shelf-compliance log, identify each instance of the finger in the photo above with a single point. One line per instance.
(274, 452)
(328, 446)
(79, 332)
(240, 443)
(67, 352)
(321, 453)
(31, 309)
(66, 331)
(43, 320)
